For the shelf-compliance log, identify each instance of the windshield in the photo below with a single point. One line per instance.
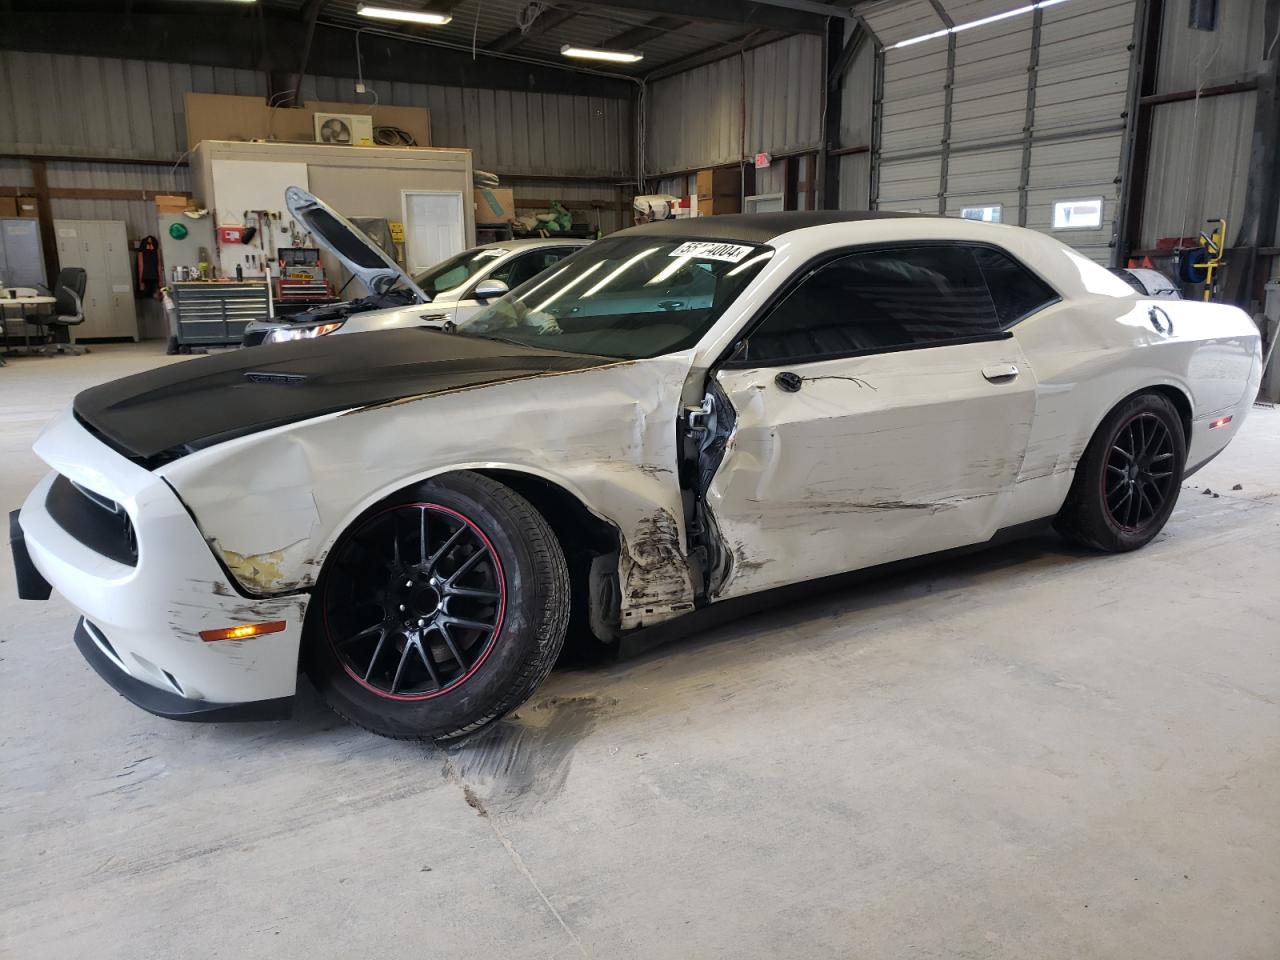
(626, 297)
(457, 270)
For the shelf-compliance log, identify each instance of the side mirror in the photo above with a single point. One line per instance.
(487, 290)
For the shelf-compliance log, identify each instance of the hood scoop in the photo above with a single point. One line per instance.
(263, 376)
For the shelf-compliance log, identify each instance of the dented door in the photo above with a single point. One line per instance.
(846, 463)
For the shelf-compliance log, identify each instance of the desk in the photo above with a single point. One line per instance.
(23, 303)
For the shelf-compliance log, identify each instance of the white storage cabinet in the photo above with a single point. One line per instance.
(101, 248)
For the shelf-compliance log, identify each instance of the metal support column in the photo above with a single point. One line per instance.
(834, 67)
(877, 122)
(1136, 157)
(949, 88)
(1029, 121)
(44, 212)
(1258, 226)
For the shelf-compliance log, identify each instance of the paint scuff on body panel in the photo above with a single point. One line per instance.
(263, 572)
(652, 568)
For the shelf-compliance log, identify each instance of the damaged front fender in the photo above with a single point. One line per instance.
(273, 504)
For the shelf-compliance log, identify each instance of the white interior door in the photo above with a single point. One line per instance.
(434, 227)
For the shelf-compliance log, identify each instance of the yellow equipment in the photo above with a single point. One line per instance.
(1215, 246)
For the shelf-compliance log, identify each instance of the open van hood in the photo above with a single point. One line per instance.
(344, 240)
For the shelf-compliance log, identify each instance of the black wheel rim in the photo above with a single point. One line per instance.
(414, 602)
(1138, 478)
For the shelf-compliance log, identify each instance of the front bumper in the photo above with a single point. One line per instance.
(31, 586)
(152, 612)
(97, 649)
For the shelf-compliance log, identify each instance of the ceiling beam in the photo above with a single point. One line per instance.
(548, 20)
(638, 36)
(740, 12)
(813, 6)
(232, 41)
(309, 16)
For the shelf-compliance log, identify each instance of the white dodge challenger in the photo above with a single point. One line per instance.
(683, 413)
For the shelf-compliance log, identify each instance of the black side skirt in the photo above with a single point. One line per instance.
(170, 705)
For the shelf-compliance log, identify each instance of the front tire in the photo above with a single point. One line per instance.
(438, 611)
(1127, 482)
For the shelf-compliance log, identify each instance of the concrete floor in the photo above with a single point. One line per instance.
(1030, 752)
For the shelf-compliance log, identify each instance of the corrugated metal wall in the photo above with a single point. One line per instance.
(1200, 150)
(974, 152)
(510, 132)
(100, 107)
(694, 119)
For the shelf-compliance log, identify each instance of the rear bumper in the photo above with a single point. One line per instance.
(96, 649)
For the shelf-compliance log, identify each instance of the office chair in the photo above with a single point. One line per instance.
(68, 311)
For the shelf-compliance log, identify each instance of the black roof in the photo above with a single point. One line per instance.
(759, 227)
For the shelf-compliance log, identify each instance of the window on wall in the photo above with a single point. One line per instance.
(1077, 214)
(880, 300)
(1203, 15)
(991, 214)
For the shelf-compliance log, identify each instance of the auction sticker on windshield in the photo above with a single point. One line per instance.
(709, 250)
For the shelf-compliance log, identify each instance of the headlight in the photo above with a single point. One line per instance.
(281, 334)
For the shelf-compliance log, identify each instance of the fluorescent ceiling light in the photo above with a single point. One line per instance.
(402, 15)
(1017, 11)
(590, 53)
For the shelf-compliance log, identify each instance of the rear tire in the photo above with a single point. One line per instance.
(1127, 482)
(439, 610)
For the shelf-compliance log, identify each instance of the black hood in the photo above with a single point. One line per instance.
(161, 414)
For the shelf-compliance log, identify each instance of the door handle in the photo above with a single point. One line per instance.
(1000, 372)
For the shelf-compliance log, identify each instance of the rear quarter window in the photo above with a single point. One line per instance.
(1015, 290)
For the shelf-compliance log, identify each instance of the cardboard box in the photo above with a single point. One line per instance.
(8, 206)
(27, 207)
(171, 203)
(719, 191)
(496, 205)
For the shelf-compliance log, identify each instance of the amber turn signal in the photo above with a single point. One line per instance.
(243, 632)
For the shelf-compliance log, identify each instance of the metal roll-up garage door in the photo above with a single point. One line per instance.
(1005, 119)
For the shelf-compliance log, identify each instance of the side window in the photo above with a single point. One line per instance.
(1015, 290)
(880, 300)
(526, 266)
